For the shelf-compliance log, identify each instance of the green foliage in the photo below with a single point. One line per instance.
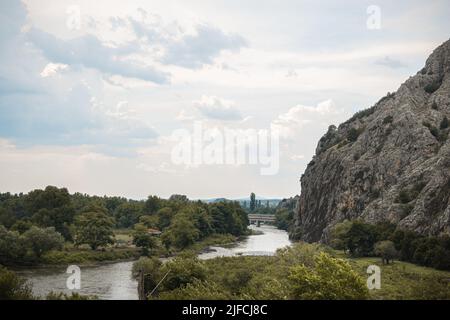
(353, 134)
(388, 119)
(361, 114)
(330, 279)
(73, 296)
(81, 256)
(11, 247)
(197, 290)
(52, 207)
(182, 271)
(28, 247)
(409, 194)
(386, 250)
(94, 229)
(12, 287)
(284, 218)
(338, 235)
(405, 281)
(43, 240)
(165, 216)
(362, 239)
(181, 232)
(143, 239)
(21, 226)
(444, 123)
(252, 202)
(432, 87)
(150, 270)
(127, 214)
(152, 205)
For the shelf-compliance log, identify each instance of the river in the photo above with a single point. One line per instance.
(113, 281)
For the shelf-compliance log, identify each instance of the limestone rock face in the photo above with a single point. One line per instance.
(389, 162)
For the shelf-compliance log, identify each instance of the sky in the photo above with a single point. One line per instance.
(93, 93)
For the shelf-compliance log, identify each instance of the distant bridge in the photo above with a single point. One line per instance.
(261, 218)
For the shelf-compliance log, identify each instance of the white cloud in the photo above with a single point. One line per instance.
(290, 123)
(53, 68)
(216, 108)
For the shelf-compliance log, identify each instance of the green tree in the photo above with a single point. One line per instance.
(165, 216)
(143, 239)
(51, 207)
(360, 238)
(12, 250)
(94, 229)
(43, 240)
(330, 279)
(386, 250)
(7, 217)
(182, 271)
(12, 287)
(444, 123)
(127, 214)
(181, 232)
(148, 270)
(197, 290)
(338, 235)
(284, 218)
(252, 202)
(152, 205)
(21, 226)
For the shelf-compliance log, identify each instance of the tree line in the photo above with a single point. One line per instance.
(384, 239)
(40, 221)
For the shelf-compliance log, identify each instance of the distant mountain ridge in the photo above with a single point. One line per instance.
(390, 162)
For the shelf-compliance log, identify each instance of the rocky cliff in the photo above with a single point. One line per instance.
(389, 162)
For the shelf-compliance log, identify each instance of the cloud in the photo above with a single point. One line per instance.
(88, 51)
(290, 123)
(175, 45)
(200, 48)
(216, 108)
(53, 68)
(390, 63)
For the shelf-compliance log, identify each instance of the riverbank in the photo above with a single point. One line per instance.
(113, 280)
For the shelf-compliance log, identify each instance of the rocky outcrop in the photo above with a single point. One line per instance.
(389, 162)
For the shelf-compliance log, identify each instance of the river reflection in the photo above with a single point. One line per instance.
(113, 281)
(263, 244)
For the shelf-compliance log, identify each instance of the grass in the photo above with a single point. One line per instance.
(213, 240)
(87, 256)
(405, 281)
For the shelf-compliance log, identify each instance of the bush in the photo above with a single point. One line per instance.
(353, 134)
(43, 240)
(432, 87)
(388, 119)
(12, 287)
(361, 114)
(444, 123)
(74, 296)
(386, 250)
(330, 279)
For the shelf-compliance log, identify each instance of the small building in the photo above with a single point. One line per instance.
(154, 232)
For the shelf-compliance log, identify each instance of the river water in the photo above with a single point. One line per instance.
(113, 281)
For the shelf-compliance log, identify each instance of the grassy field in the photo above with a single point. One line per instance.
(403, 280)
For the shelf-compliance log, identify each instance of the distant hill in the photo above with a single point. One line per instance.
(272, 202)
